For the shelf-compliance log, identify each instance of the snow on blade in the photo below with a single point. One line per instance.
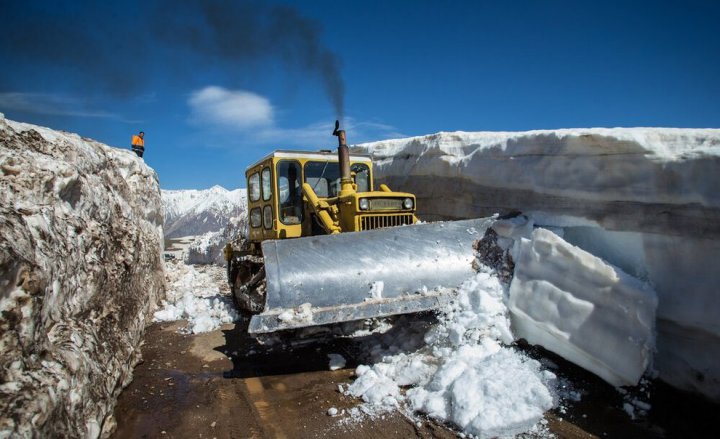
(301, 314)
(581, 308)
(195, 297)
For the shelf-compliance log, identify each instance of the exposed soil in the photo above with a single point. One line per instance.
(189, 387)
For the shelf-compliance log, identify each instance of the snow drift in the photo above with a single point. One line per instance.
(643, 199)
(194, 296)
(463, 369)
(80, 270)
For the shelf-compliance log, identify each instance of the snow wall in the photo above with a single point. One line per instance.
(644, 199)
(80, 271)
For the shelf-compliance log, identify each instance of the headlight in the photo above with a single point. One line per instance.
(408, 203)
(364, 204)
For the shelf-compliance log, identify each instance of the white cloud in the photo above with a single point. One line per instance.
(248, 119)
(232, 108)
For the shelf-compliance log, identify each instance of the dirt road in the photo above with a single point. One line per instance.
(188, 386)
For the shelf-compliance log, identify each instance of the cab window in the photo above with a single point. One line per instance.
(323, 177)
(255, 217)
(267, 217)
(254, 186)
(266, 184)
(289, 192)
(361, 174)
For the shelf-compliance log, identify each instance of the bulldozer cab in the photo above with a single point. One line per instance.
(292, 194)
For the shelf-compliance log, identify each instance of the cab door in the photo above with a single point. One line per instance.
(261, 200)
(290, 211)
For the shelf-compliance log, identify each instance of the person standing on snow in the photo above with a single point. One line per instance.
(138, 143)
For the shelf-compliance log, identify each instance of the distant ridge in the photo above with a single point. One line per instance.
(194, 212)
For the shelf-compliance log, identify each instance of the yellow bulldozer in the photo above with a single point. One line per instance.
(323, 246)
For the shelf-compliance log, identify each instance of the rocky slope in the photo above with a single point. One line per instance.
(80, 272)
(643, 199)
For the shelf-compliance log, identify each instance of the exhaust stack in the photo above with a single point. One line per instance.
(346, 182)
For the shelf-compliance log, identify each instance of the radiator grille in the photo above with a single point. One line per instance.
(379, 221)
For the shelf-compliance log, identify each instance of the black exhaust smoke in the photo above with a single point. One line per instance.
(93, 38)
(248, 30)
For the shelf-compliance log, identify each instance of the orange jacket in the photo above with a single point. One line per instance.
(138, 141)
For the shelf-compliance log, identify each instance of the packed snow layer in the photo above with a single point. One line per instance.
(80, 270)
(195, 212)
(643, 199)
(464, 372)
(581, 308)
(623, 178)
(194, 296)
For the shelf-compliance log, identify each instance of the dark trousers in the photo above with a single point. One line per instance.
(138, 150)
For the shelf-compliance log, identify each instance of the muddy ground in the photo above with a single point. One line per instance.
(224, 384)
(189, 387)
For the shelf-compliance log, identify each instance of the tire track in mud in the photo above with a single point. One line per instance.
(264, 410)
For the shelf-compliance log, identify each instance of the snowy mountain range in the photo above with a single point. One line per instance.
(195, 212)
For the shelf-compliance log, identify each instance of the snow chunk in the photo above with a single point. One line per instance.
(488, 392)
(583, 309)
(375, 387)
(301, 314)
(337, 361)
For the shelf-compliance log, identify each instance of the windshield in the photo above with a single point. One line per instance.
(324, 177)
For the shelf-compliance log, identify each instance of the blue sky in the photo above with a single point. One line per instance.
(216, 85)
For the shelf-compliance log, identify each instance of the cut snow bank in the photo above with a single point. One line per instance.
(643, 199)
(80, 270)
(615, 177)
(576, 305)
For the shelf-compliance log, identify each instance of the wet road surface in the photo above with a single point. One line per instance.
(188, 386)
(224, 384)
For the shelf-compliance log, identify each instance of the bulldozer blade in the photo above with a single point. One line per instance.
(351, 276)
